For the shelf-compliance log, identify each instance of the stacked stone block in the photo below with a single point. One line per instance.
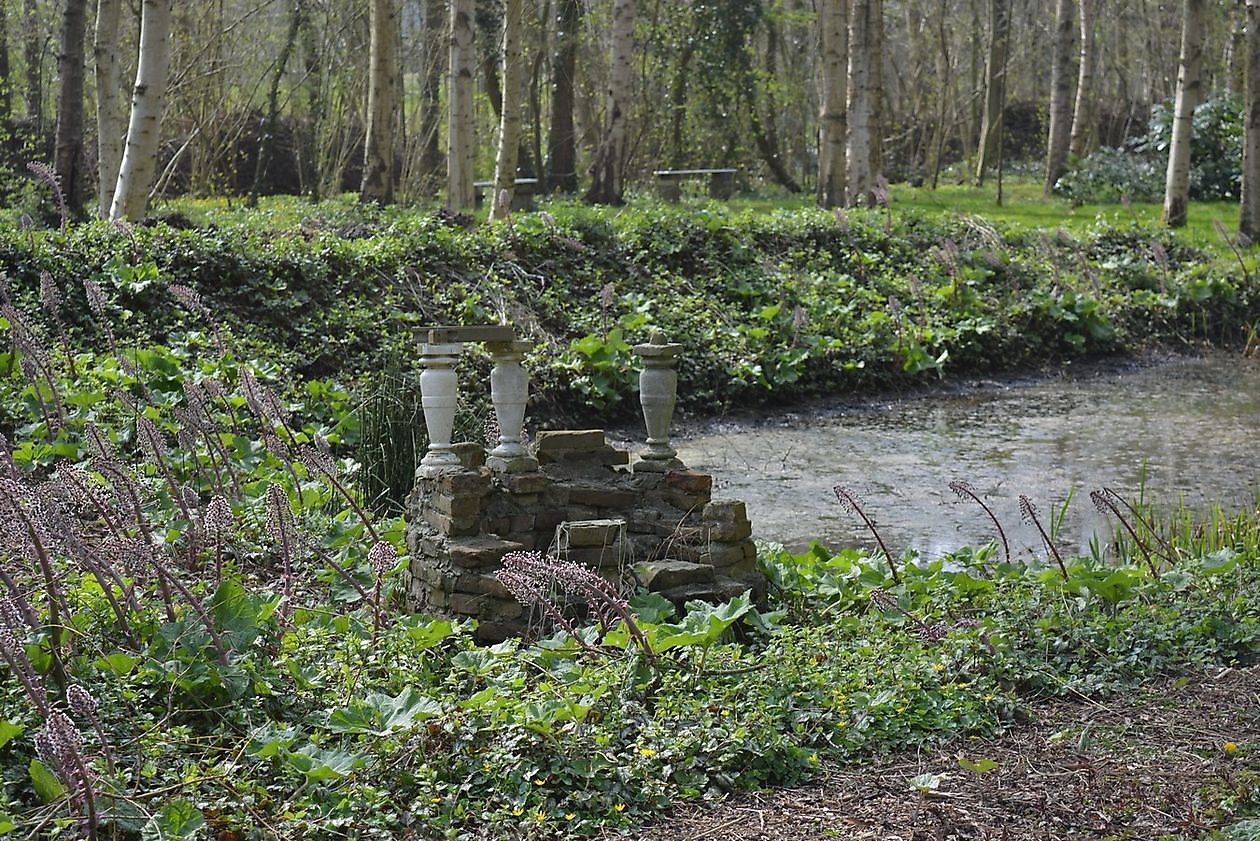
(663, 523)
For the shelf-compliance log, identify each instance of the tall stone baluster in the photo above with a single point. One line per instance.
(509, 391)
(658, 393)
(439, 394)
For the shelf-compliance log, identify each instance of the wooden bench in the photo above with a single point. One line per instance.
(669, 182)
(522, 192)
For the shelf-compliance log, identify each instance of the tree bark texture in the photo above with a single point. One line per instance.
(382, 104)
(111, 126)
(562, 139)
(460, 141)
(833, 43)
(68, 142)
(1189, 94)
(135, 173)
(994, 84)
(1249, 215)
(859, 178)
(33, 52)
(609, 170)
(6, 73)
(510, 112)
(434, 29)
(1082, 112)
(1060, 95)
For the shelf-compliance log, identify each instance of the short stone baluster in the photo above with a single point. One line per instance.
(658, 393)
(509, 391)
(439, 394)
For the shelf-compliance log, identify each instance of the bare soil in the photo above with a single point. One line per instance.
(1176, 759)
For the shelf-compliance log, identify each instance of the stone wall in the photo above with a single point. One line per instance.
(651, 524)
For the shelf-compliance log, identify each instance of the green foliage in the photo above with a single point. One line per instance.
(1137, 171)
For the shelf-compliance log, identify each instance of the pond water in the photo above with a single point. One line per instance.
(1181, 429)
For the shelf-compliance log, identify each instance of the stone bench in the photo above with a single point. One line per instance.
(522, 192)
(669, 182)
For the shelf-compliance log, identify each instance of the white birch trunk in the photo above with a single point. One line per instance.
(111, 128)
(135, 173)
(833, 44)
(608, 185)
(378, 146)
(1060, 96)
(460, 141)
(1249, 216)
(860, 179)
(510, 114)
(1189, 93)
(1081, 112)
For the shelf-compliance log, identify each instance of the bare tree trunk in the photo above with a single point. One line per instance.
(6, 71)
(834, 48)
(267, 143)
(309, 126)
(459, 147)
(1236, 54)
(1081, 112)
(433, 33)
(34, 55)
(68, 145)
(877, 89)
(135, 173)
(677, 155)
(111, 128)
(860, 181)
(510, 113)
(765, 131)
(944, 72)
(562, 139)
(1189, 94)
(994, 84)
(382, 105)
(609, 170)
(1249, 215)
(1060, 96)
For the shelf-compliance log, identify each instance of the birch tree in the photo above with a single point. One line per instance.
(1060, 96)
(833, 39)
(859, 179)
(378, 146)
(510, 113)
(135, 172)
(111, 128)
(1189, 94)
(459, 95)
(994, 84)
(609, 170)
(68, 142)
(1249, 215)
(1081, 112)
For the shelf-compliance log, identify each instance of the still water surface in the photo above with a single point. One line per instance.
(1188, 425)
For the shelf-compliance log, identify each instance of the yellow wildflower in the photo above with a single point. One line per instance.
(620, 807)
(647, 753)
(1230, 747)
(540, 816)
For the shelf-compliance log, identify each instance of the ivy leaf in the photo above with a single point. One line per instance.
(979, 767)
(177, 820)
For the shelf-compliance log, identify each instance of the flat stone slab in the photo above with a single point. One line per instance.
(592, 532)
(478, 552)
(569, 440)
(671, 574)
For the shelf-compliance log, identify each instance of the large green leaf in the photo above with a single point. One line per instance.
(319, 764)
(8, 730)
(47, 786)
(379, 714)
(177, 820)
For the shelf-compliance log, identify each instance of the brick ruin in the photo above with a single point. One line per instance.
(647, 521)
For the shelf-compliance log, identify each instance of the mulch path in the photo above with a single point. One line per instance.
(1160, 762)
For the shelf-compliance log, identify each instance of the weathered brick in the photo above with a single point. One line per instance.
(594, 556)
(524, 483)
(458, 505)
(521, 522)
(727, 520)
(479, 552)
(689, 482)
(468, 604)
(552, 441)
(490, 585)
(725, 555)
(602, 496)
(663, 575)
(451, 526)
(688, 502)
(470, 455)
(497, 525)
(459, 482)
(594, 532)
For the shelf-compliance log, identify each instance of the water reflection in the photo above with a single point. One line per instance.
(1184, 429)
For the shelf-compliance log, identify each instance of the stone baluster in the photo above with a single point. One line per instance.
(658, 393)
(509, 391)
(439, 394)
